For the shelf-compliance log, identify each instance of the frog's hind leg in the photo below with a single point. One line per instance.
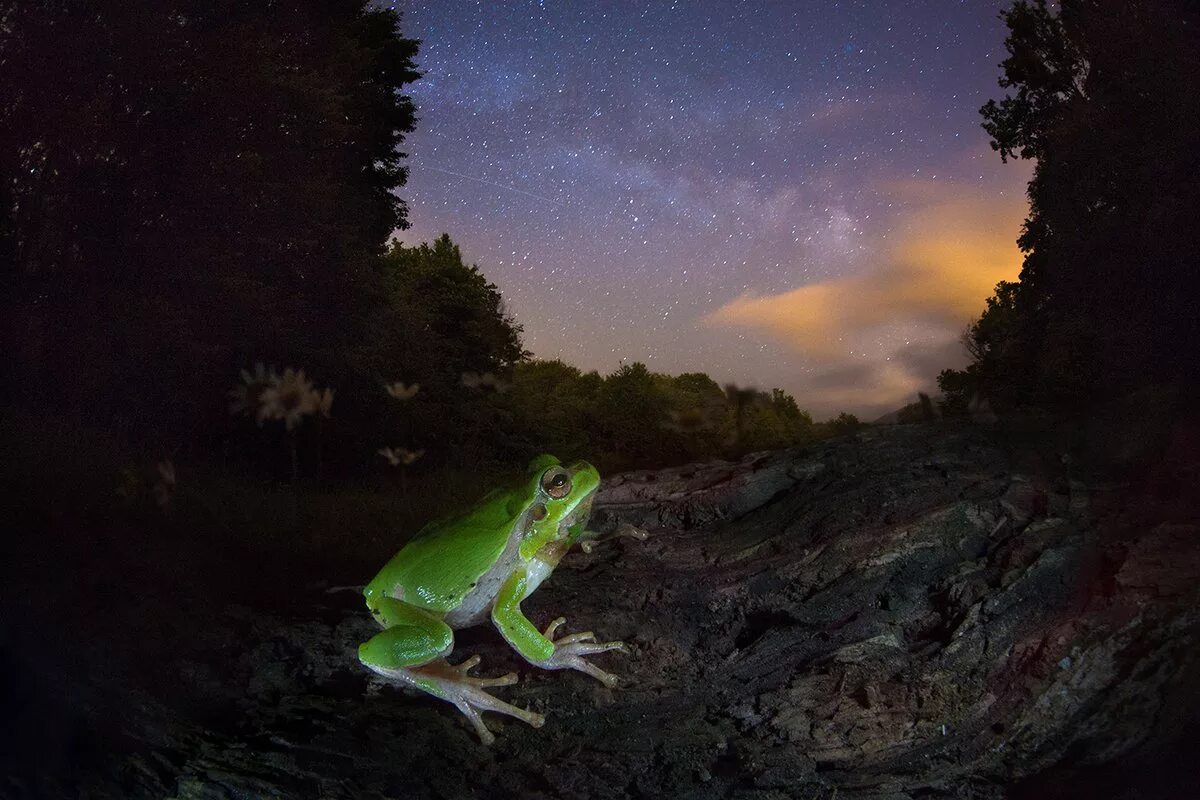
(453, 684)
(412, 649)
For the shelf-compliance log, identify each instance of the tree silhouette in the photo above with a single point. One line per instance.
(1104, 97)
(192, 185)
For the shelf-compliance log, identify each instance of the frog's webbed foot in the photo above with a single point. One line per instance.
(570, 650)
(454, 685)
(623, 530)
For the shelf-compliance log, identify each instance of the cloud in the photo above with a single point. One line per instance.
(841, 376)
(940, 273)
(869, 389)
(934, 274)
(930, 358)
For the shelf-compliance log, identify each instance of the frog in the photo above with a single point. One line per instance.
(476, 567)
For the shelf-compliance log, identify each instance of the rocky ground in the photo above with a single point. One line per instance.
(909, 613)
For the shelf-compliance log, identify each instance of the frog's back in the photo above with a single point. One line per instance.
(444, 561)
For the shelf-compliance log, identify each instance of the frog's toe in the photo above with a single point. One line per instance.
(632, 532)
(569, 652)
(453, 684)
(472, 701)
(624, 530)
(466, 666)
(486, 737)
(571, 656)
(554, 625)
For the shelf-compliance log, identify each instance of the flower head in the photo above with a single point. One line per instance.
(325, 402)
(399, 455)
(265, 395)
(245, 396)
(290, 397)
(164, 487)
(401, 392)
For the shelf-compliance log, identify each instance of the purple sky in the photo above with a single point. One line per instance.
(781, 194)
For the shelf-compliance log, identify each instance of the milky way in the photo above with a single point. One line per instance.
(791, 194)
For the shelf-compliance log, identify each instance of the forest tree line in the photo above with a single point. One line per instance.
(174, 215)
(197, 254)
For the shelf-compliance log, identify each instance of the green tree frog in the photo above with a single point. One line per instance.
(479, 565)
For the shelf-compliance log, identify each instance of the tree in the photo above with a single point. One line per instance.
(632, 408)
(698, 417)
(774, 421)
(1102, 98)
(844, 424)
(959, 389)
(452, 317)
(436, 321)
(741, 400)
(179, 208)
(555, 407)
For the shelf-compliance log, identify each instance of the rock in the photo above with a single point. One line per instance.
(891, 616)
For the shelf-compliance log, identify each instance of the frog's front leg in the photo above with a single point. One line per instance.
(412, 648)
(540, 649)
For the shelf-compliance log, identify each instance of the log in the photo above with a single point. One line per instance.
(900, 614)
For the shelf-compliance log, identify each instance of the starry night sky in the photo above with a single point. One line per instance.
(781, 194)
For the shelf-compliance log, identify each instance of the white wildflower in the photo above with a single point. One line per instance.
(245, 396)
(265, 395)
(401, 392)
(324, 401)
(260, 375)
(409, 456)
(399, 455)
(164, 487)
(166, 472)
(290, 397)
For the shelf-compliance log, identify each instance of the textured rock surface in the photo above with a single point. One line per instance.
(897, 615)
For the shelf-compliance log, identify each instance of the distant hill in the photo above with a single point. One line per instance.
(892, 417)
(904, 415)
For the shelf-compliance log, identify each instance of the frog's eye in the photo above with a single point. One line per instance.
(556, 483)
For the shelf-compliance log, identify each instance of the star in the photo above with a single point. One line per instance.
(633, 168)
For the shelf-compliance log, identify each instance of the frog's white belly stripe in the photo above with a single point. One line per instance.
(477, 605)
(536, 572)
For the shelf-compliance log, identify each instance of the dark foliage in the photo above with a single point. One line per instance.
(637, 418)
(845, 423)
(1105, 97)
(192, 189)
(191, 186)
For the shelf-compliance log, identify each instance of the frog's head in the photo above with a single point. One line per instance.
(566, 493)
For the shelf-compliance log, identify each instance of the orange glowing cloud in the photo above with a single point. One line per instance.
(947, 260)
